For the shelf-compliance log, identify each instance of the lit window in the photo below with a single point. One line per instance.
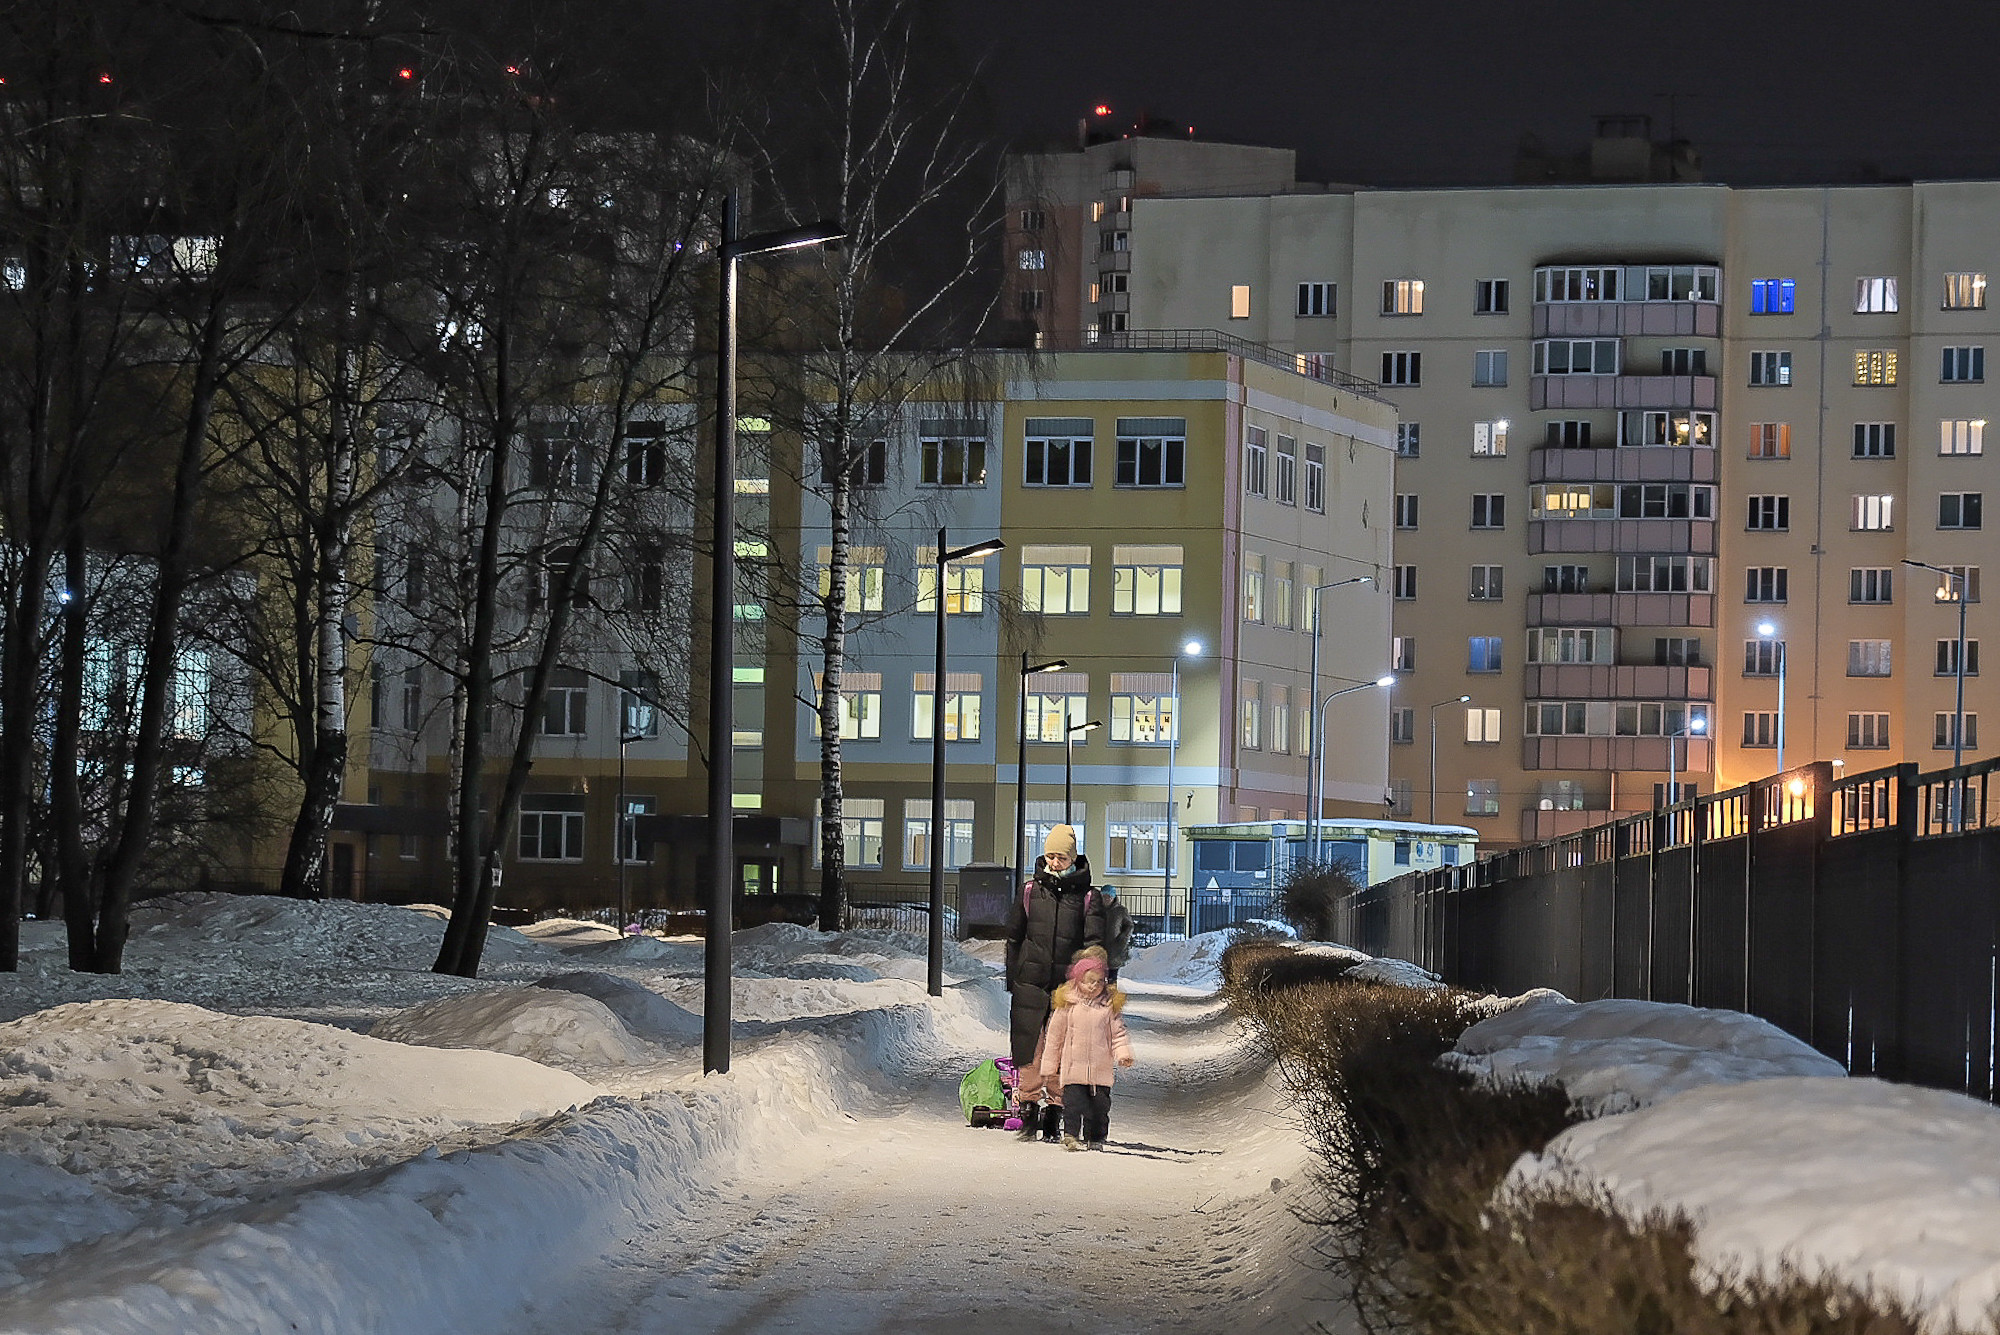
(1403, 296)
(1871, 513)
(1034, 259)
(1770, 440)
(1482, 654)
(1055, 581)
(1869, 658)
(956, 833)
(961, 706)
(1239, 301)
(1482, 724)
(1489, 439)
(1964, 292)
(860, 705)
(1875, 366)
(1146, 581)
(1962, 436)
(1772, 296)
(1874, 296)
(862, 580)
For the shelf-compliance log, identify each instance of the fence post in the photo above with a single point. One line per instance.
(1896, 1065)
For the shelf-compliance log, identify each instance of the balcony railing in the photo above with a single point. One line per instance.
(1625, 463)
(1692, 755)
(1621, 609)
(1616, 681)
(1628, 319)
(1621, 391)
(1622, 535)
(1312, 365)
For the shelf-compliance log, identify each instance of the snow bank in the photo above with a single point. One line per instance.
(1193, 965)
(461, 1241)
(163, 1100)
(1611, 1056)
(556, 1027)
(1395, 973)
(1873, 1183)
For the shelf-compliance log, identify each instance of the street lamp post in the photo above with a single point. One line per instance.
(1455, 700)
(1315, 759)
(944, 560)
(721, 630)
(625, 738)
(1957, 588)
(1768, 631)
(1694, 727)
(1191, 649)
(1319, 726)
(1021, 763)
(1069, 753)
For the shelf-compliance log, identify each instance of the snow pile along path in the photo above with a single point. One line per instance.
(1770, 1174)
(1614, 1055)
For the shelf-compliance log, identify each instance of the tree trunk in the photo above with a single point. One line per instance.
(833, 663)
(121, 869)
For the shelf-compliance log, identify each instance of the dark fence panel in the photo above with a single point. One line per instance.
(1671, 972)
(1632, 944)
(1597, 967)
(1858, 936)
(1721, 902)
(1779, 954)
(1949, 959)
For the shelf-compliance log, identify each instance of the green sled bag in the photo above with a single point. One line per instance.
(982, 1094)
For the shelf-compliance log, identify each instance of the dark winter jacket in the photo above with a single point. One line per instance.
(1062, 915)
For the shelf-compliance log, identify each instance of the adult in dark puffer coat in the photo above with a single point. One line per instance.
(1057, 915)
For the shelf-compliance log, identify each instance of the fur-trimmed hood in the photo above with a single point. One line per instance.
(1114, 996)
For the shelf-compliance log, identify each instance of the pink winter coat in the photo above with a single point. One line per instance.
(1086, 1039)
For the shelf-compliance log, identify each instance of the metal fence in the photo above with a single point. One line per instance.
(1157, 915)
(1860, 913)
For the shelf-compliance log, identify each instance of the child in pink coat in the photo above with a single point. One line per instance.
(1086, 1040)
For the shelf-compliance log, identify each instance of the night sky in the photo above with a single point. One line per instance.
(1442, 91)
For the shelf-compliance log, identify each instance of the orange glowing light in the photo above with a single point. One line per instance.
(406, 73)
(1101, 109)
(1796, 787)
(104, 78)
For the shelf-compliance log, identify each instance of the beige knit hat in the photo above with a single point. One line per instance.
(1062, 839)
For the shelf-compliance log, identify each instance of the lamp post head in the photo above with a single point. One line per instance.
(1192, 649)
(1053, 665)
(986, 548)
(1766, 629)
(1385, 681)
(1086, 727)
(1698, 724)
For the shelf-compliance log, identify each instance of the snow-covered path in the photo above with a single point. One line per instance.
(277, 1119)
(907, 1220)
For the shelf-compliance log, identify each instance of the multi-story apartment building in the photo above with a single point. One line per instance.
(1117, 480)
(1665, 453)
(1202, 492)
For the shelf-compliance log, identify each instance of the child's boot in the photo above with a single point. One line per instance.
(1031, 1118)
(1052, 1122)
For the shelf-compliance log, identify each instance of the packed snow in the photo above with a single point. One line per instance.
(279, 1119)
